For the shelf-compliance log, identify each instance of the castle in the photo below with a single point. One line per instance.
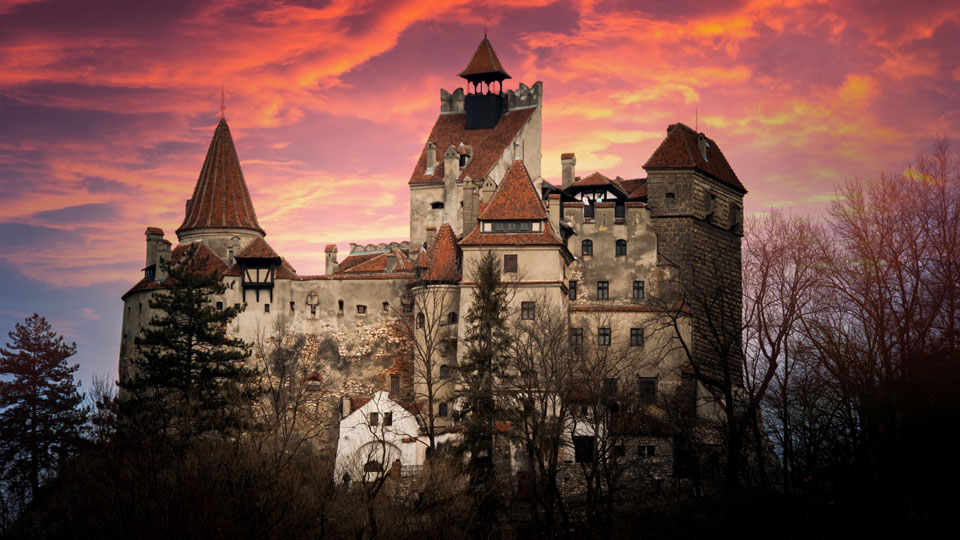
(601, 249)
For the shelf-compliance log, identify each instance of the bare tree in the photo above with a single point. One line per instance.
(430, 331)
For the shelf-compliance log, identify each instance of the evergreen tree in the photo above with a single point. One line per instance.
(189, 374)
(41, 418)
(486, 340)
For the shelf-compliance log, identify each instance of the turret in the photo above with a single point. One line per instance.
(331, 259)
(483, 104)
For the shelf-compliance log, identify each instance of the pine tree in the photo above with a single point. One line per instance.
(41, 417)
(189, 374)
(486, 340)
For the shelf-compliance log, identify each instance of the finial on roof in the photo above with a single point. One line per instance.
(223, 106)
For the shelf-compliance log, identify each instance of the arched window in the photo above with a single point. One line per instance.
(621, 247)
(586, 247)
(421, 320)
(452, 318)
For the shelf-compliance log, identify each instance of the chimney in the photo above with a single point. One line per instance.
(471, 203)
(451, 172)
(163, 255)
(154, 236)
(487, 191)
(431, 236)
(567, 163)
(331, 254)
(431, 157)
(345, 407)
(554, 208)
(391, 262)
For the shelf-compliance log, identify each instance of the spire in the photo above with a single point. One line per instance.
(220, 199)
(484, 66)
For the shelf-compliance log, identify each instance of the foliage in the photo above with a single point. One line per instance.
(189, 374)
(486, 341)
(41, 416)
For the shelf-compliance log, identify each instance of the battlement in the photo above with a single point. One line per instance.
(524, 96)
(357, 249)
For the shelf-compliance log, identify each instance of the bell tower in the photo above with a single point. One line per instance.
(484, 102)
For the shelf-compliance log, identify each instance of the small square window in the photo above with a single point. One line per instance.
(219, 306)
(603, 336)
(361, 309)
(510, 264)
(374, 419)
(293, 306)
(583, 449)
(313, 310)
(648, 390)
(442, 410)
(266, 308)
(236, 307)
(444, 371)
(527, 310)
(388, 419)
(638, 290)
(573, 290)
(603, 290)
(386, 306)
(408, 307)
(576, 337)
(636, 337)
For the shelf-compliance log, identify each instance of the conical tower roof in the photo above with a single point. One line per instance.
(220, 199)
(484, 66)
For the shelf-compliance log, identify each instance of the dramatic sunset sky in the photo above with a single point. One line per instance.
(107, 108)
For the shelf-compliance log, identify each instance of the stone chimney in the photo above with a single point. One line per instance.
(331, 255)
(471, 203)
(554, 209)
(154, 236)
(451, 172)
(568, 163)
(163, 255)
(431, 157)
(487, 191)
(431, 235)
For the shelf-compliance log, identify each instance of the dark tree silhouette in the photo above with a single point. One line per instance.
(486, 340)
(189, 374)
(41, 418)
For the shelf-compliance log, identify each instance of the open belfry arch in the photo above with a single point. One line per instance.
(601, 248)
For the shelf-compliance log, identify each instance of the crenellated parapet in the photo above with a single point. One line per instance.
(357, 249)
(524, 96)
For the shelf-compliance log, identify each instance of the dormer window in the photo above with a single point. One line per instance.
(510, 227)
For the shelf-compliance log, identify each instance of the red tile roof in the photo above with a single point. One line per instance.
(515, 198)
(205, 260)
(220, 198)
(444, 257)
(487, 144)
(258, 249)
(484, 65)
(679, 150)
(330, 248)
(154, 230)
(546, 238)
(568, 155)
(378, 263)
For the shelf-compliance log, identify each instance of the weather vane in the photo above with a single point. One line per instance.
(223, 105)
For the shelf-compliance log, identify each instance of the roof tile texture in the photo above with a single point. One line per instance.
(680, 151)
(516, 198)
(443, 257)
(220, 198)
(484, 63)
(488, 144)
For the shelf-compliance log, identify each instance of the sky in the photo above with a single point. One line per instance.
(107, 108)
